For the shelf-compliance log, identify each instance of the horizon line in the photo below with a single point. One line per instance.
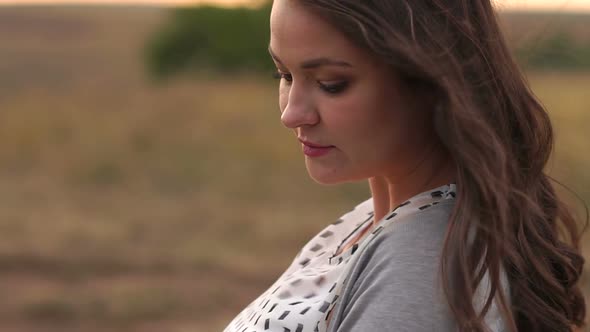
(500, 5)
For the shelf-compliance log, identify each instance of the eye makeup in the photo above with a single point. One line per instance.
(335, 88)
(331, 89)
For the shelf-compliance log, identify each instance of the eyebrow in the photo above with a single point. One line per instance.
(314, 63)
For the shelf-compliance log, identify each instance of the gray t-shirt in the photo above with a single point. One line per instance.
(394, 284)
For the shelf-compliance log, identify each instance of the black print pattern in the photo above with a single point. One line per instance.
(306, 294)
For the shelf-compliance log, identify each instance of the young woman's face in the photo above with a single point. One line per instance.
(333, 93)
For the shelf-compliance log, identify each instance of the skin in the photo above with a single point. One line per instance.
(380, 130)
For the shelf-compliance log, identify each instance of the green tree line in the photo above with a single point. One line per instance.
(236, 39)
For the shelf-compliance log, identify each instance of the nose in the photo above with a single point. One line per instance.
(298, 109)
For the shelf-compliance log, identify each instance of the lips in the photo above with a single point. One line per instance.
(316, 152)
(314, 145)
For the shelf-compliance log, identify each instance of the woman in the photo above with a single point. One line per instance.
(422, 99)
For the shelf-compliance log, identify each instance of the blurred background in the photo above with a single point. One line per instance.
(146, 182)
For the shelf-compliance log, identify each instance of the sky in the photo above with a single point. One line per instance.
(560, 5)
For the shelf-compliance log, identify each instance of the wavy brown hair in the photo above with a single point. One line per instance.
(500, 137)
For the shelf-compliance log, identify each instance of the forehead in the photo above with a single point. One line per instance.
(297, 33)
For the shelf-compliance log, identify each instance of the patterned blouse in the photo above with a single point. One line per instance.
(302, 298)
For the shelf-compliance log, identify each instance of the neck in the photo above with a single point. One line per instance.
(435, 169)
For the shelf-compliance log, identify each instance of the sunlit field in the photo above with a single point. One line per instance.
(130, 206)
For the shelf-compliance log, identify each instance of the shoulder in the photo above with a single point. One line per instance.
(417, 234)
(410, 245)
(394, 282)
(397, 275)
(406, 254)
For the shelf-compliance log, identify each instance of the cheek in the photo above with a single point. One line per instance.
(358, 116)
(370, 124)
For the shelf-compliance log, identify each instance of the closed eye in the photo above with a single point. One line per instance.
(278, 75)
(334, 88)
(331, 89)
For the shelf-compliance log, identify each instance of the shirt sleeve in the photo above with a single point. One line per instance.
(394, 286)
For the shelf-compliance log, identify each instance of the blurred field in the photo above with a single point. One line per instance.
(126, 206)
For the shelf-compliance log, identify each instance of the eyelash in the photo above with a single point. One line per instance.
(330, 89)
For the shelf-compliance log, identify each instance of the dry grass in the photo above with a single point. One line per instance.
(131, 207)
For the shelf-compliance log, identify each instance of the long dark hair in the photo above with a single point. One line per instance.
(500, 137)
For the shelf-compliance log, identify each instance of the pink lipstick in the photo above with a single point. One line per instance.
(315, 150)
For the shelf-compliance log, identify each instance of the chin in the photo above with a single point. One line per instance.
(328, 176)
(325, 181)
